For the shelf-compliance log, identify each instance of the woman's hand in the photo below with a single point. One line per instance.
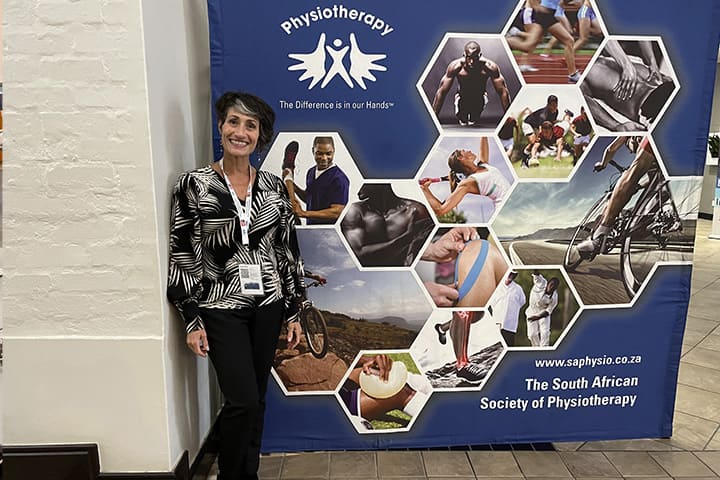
(294, 332)
(197, 342)
(442, 295)
(425, 184)
(447, 247)
(379, 365)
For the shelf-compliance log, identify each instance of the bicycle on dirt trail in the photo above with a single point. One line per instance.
(314, 326)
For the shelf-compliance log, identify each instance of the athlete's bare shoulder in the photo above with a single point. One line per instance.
(455, 66)
(492, 69)
(418, 208)
(491, 65)
(354, 216)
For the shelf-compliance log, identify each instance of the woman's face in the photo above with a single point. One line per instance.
(464, 161)
(239, 134)
(467, 158)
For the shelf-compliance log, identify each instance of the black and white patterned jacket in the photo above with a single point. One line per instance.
(206, 248)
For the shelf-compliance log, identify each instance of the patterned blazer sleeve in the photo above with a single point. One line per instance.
(289, 262)
(185, 266)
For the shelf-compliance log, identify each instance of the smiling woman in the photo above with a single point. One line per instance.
(235, 273)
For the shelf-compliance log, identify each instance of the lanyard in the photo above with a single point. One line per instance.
(243, 211)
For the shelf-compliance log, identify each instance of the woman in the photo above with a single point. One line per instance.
(588, 23)
(235, 273)
(529, 35)
(480, 179)
(544, 16)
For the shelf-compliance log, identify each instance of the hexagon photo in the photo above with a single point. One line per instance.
(558, 223)
(319, 172)
(350, 310)
(630, 84)
(465, 179)
(533, 307)
(384, 392)
(546, 131)
(465, 279)
(458, 349)
(387, 225)
(469, 82)
(554, 47)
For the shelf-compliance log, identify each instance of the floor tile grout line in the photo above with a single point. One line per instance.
(660, 465)
(698, 364)
(709, 284)
(377, 465)
(423, 465)
(472, 466)
(566, 465)
(698, 388)
(694, 416)
(512, 452)
(716, 432)
(690, 349)
(717, 474)
(690, 314)
(699, 341)
(703, 288)
(683, 360)
(613, 465)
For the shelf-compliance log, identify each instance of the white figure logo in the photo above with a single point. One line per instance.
(313, 63)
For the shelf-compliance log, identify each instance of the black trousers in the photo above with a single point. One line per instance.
(242, 348)
(508, 336)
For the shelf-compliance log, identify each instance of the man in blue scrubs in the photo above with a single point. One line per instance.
(326, 186)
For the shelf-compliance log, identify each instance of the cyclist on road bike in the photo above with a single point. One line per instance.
(624, 189)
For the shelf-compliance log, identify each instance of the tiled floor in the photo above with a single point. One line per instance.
(693, 452)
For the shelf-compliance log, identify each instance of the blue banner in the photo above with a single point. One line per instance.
(496, 209)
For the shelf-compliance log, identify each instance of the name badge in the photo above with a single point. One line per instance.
(251, 280)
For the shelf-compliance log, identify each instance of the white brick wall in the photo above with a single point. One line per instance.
(81, 265)
(79, 167)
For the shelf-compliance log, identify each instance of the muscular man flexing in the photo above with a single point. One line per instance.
(383, 229)
(472, 72)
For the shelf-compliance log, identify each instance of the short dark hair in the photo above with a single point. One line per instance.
(472, 47)
(546, 125)
(328, 139)
(552, 98)
(251, 105)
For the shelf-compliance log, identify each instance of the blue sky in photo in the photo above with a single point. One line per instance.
(359, 294)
